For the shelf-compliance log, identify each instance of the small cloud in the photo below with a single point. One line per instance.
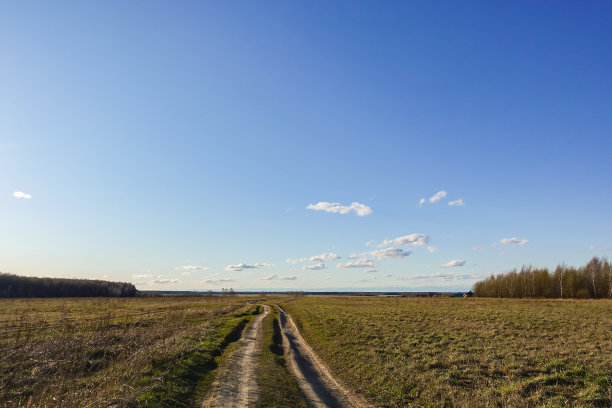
(502, 253)
(186, 273)
(315, 258)
(478, 249)
(371, 271)
(166, 281)
(513, 241)
(359, 209)
(220, 280)
(315, 267)
(440, 276)
(453, 263)
(263, 265)
(290, 277)
(191, 268)
(437, 197)
(241, 266)
(142, 276)
(21, 194)
(389, 253)
(372, 279)
(387, 275)
(432, 249)
(270, 277)
(457, 203)
(406, 240)
(360, 263)
(421, 202)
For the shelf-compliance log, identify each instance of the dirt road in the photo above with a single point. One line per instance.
(236, 385)
(314, 378)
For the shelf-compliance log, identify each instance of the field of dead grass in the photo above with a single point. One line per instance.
(442, 352)
(105, 352)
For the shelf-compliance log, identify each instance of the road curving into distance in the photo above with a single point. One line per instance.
(236, 386)
(236, 383)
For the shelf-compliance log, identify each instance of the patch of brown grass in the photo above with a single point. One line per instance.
(464, 352)
(96, 352)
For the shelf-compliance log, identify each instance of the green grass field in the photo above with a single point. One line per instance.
(438, 352)
(100, 352)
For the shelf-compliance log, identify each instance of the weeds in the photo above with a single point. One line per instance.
(112, 352)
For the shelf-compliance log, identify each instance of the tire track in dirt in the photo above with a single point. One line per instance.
(315, 380)
(236, 385)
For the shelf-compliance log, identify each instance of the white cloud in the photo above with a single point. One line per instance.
(457, 203)
(406, 240)
(263, 265)
(432, 249)
(316, 258)
(220, 280)
(191, 268)
(315, 267)
(359, 209)
(290, 277)
(241, 266)
(371, 271)
(513, 241)
(270, 277)
(142, 276)
(440, 276)
(453, 263)
(387, 275)
(598, 248)
(421, 202)
(186, 273)
(478, 249)
(167, 281)
(360, 263)
(437, 197)
(389, 253)
(21, 194)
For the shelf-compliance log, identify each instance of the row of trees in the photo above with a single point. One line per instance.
(594, 280)
(13, 286)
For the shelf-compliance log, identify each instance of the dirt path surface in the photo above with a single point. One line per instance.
(314, 378)
(236, 385)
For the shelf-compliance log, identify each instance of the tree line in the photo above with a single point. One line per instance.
(14, 286)
(594, 281)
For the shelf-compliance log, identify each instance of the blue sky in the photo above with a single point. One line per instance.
(165, 144)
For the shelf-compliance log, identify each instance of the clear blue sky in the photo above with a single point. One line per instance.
(162, 142)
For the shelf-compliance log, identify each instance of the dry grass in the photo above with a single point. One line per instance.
(110, 352)
(464, 352)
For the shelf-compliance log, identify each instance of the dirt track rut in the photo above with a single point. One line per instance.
(314, 378)
(236, 386)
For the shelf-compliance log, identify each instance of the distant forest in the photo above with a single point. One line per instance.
(13, 286)
(594, 280)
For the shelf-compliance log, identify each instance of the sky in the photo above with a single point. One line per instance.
(346, 145)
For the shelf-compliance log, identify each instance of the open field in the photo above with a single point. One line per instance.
(464, 352)
(101, 352)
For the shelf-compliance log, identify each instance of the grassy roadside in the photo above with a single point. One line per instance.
(183, 380)
(401, 352)
(102, 352)
(277, 386)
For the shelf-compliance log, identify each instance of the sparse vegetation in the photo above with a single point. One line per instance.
(444, 352)
(114, 352)
(278, 388)
(594, 280)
